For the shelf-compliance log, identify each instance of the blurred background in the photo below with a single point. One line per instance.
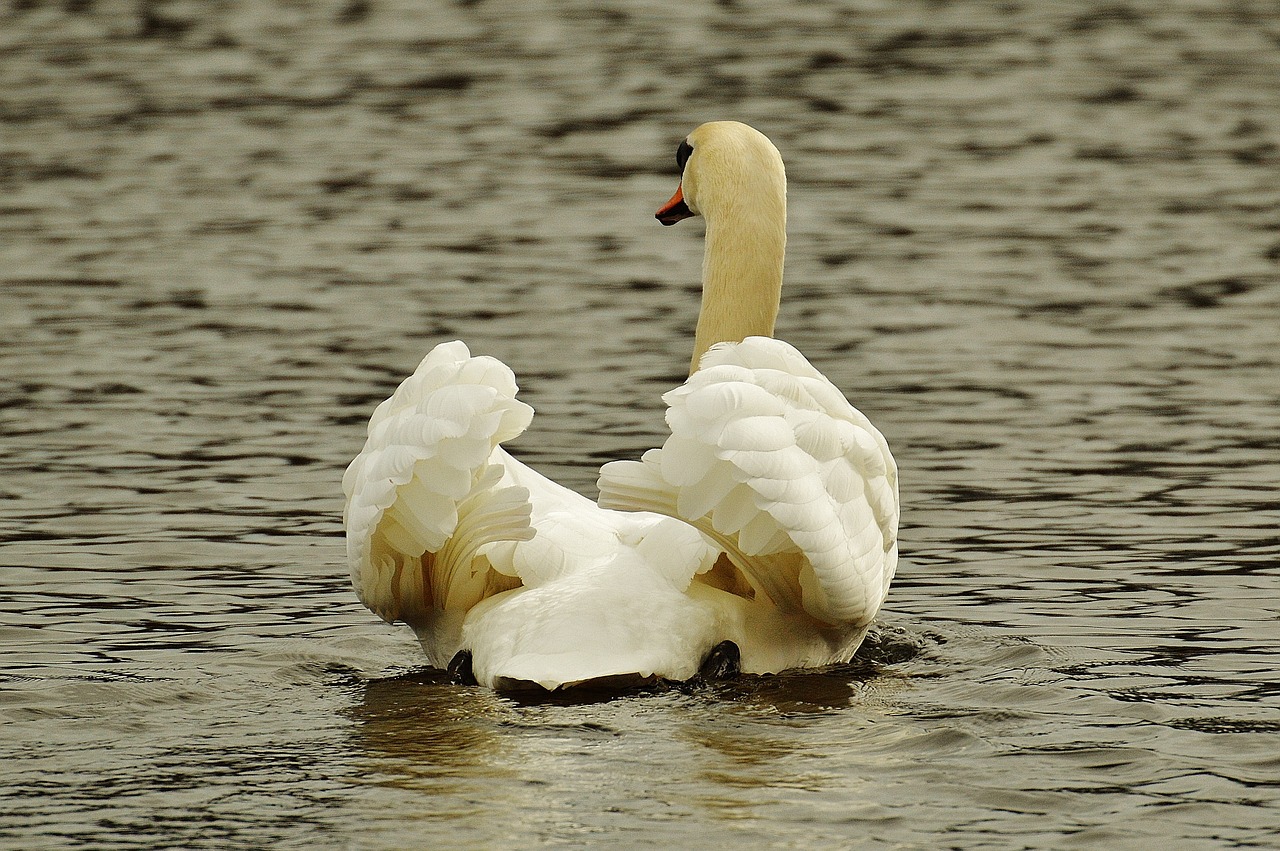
(1037, 243)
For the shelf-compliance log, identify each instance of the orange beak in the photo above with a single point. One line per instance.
(674, 210)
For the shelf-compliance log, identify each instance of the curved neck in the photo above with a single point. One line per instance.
(741, 277)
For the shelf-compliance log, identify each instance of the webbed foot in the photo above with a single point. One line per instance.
(459, 669)
(722, 663)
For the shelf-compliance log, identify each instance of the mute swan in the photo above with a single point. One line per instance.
(761, 536)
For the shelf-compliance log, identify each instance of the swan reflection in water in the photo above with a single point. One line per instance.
(419, 727)
(713, 745)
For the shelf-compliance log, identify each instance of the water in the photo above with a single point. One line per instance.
(1037, 243)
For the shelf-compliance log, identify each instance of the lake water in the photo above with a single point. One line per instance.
(1038, 243)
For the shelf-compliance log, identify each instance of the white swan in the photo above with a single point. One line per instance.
(761, 536)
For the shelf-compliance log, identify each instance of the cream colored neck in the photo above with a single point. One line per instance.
(741, 276)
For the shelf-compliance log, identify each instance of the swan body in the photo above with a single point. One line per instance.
(768, 518)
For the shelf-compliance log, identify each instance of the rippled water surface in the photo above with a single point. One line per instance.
(1037, 243)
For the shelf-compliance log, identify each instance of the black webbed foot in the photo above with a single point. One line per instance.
(459, 669)
(724, 662)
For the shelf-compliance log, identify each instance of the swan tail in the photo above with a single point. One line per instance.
(424, 496)
(770, 461)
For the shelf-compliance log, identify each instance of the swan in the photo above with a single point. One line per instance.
(761, 536)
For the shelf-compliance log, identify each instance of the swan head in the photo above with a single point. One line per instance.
(727, 168)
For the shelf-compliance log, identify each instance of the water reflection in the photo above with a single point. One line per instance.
(727, 751)
(421, 731)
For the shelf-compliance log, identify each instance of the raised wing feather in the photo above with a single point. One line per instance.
(424, 495)
(768, 459)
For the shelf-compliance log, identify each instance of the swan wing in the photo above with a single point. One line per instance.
(769, 460)
(426, 496)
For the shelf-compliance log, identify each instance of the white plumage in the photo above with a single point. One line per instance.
(768, 518)
(767, 459)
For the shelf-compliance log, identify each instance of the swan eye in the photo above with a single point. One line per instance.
(682, 153)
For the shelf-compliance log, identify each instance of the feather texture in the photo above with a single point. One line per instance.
(422, 496)
(768, 459)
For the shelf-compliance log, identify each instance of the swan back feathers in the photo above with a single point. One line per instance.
(768, 459)
(422, 497)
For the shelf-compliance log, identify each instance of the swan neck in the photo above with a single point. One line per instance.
(741, 277)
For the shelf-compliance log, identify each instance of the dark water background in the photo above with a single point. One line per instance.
(1037, 242)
